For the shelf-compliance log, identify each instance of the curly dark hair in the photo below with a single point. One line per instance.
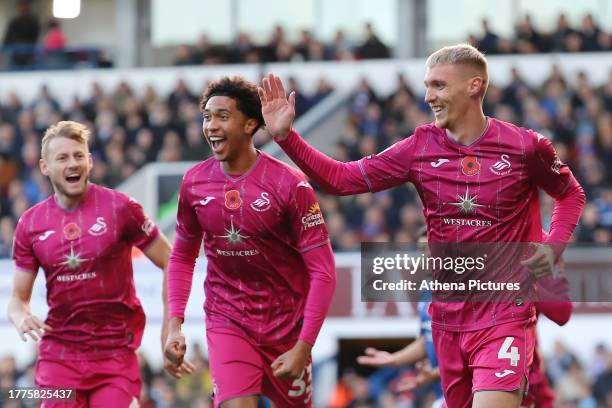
(242, 91)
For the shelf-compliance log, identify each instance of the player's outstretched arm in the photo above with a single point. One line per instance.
(159, 254)
(410, 354)
(279, 112)
(19, 307)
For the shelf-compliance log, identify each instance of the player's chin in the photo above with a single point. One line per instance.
(440, 122)
(75, 189)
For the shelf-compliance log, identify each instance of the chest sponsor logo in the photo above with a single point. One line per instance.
(467, 205)
(262, 204)
(72, 231)
(470, 166)
(234, 236)
(501, 167)
(72, 260)
(313, 217)
(207, 200)
(98, 228)
(233, 201)
(439, 162)
(45, 235)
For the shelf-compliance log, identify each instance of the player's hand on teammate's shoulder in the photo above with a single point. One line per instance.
(542, 262)
(32, 326)
(291, 364)
(278, 110)
(376, 358)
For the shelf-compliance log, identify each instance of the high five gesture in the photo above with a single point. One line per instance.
(278, 110)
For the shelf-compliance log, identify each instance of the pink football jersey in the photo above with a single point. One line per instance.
(256, 228)
(86, 255)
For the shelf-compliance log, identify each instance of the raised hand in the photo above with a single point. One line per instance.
(278, 110)
(376, 358)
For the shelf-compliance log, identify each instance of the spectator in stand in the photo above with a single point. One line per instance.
(54, 37)
(372, 47)
(561, 33)
(22, 30)
(183, 56)
(489, 40)
(529, 40)
(590, 34)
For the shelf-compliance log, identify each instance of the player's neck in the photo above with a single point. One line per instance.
(469, 129)
(68, 202)
(242, 163)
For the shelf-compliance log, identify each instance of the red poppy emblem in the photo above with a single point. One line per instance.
(72, 231)
(233, 200)
(470, 166)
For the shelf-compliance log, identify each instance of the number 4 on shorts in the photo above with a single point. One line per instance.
(509, 352)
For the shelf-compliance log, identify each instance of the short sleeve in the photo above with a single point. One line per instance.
(141, 231)
(307, 224)
(23, 252)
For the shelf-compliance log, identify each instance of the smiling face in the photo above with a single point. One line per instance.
(67, 163)
(450, 90)
(227, 130)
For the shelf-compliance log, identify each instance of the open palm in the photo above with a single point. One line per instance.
(376, 358)
(278, 111)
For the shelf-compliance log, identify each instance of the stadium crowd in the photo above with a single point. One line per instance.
(529, 39)
(129, 131)
(577, 384)
(279, 48)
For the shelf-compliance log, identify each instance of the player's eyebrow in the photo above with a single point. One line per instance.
(217, 110)
(434, 82)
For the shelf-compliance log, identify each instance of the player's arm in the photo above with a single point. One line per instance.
(180, 274)
(379, 172)
(144, 234)
(410, 354)
(322, 271)
(159, 253)
(313, 243)
(554, 177)
(19, 307)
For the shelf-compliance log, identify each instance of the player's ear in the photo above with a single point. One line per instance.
(250, 126)
(43, 167)
(475, 85)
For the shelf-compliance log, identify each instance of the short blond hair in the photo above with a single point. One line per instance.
(461, 54)
(68, 129)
